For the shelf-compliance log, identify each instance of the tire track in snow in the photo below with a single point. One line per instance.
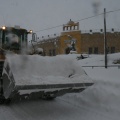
(88, 110)
(40, 110)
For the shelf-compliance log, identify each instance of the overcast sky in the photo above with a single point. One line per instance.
(41, 14)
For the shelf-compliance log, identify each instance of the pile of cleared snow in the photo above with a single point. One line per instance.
(35, 69)
(99, 60)
(101, 99)
(101, 73)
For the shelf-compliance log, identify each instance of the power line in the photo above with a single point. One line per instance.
(49, 28)
(80, 20)
(98, 15)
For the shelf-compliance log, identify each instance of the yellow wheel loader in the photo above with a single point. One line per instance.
(25, 76)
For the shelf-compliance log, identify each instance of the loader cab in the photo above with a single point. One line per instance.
(13, 38)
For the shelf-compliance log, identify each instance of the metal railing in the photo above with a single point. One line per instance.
(92, 66)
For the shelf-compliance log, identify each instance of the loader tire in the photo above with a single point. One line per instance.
(48, 97)
(2, 100)
(7, 101)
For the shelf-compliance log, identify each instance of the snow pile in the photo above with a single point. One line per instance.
(98, 60)
(35, 69)
(100, 101)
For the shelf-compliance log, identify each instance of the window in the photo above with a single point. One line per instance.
(50, 52)
(108, 50)
(54, 52)
(112, 49)
(96, 50)
(90, 50)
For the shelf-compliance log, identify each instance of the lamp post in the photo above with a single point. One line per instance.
(105, 39)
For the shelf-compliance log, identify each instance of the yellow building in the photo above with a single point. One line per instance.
(72, 39)
(69, 40)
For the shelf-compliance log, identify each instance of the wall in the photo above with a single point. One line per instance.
(85, 42)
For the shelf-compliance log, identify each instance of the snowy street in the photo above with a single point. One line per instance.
(58, 109)
(62, 108)
(43, 110)
(39, 110)
(98, 102)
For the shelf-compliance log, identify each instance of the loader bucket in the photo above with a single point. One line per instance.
(37, 75)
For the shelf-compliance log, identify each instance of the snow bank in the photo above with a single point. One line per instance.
(98, 60)
(100, 101)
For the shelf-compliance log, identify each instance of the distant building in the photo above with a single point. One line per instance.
(72, 39)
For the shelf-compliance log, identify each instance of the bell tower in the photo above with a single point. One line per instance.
(71, 26)
(70, 39)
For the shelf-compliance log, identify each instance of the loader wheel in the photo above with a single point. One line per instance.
(7, 101)
(48, 97)
(2, 100)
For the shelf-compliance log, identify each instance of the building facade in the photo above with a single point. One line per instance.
(72, 39)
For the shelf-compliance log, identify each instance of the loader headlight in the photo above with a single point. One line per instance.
(30, 32)
(3, 27)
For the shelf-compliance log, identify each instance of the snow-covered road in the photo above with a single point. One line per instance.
(101, 101)
(41, 110)
(59, 109)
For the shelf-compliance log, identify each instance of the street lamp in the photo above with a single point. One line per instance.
(105, 39)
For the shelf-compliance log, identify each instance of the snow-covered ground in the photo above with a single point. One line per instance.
(98, 102)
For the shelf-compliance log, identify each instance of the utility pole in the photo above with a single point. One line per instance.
(105, 39)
